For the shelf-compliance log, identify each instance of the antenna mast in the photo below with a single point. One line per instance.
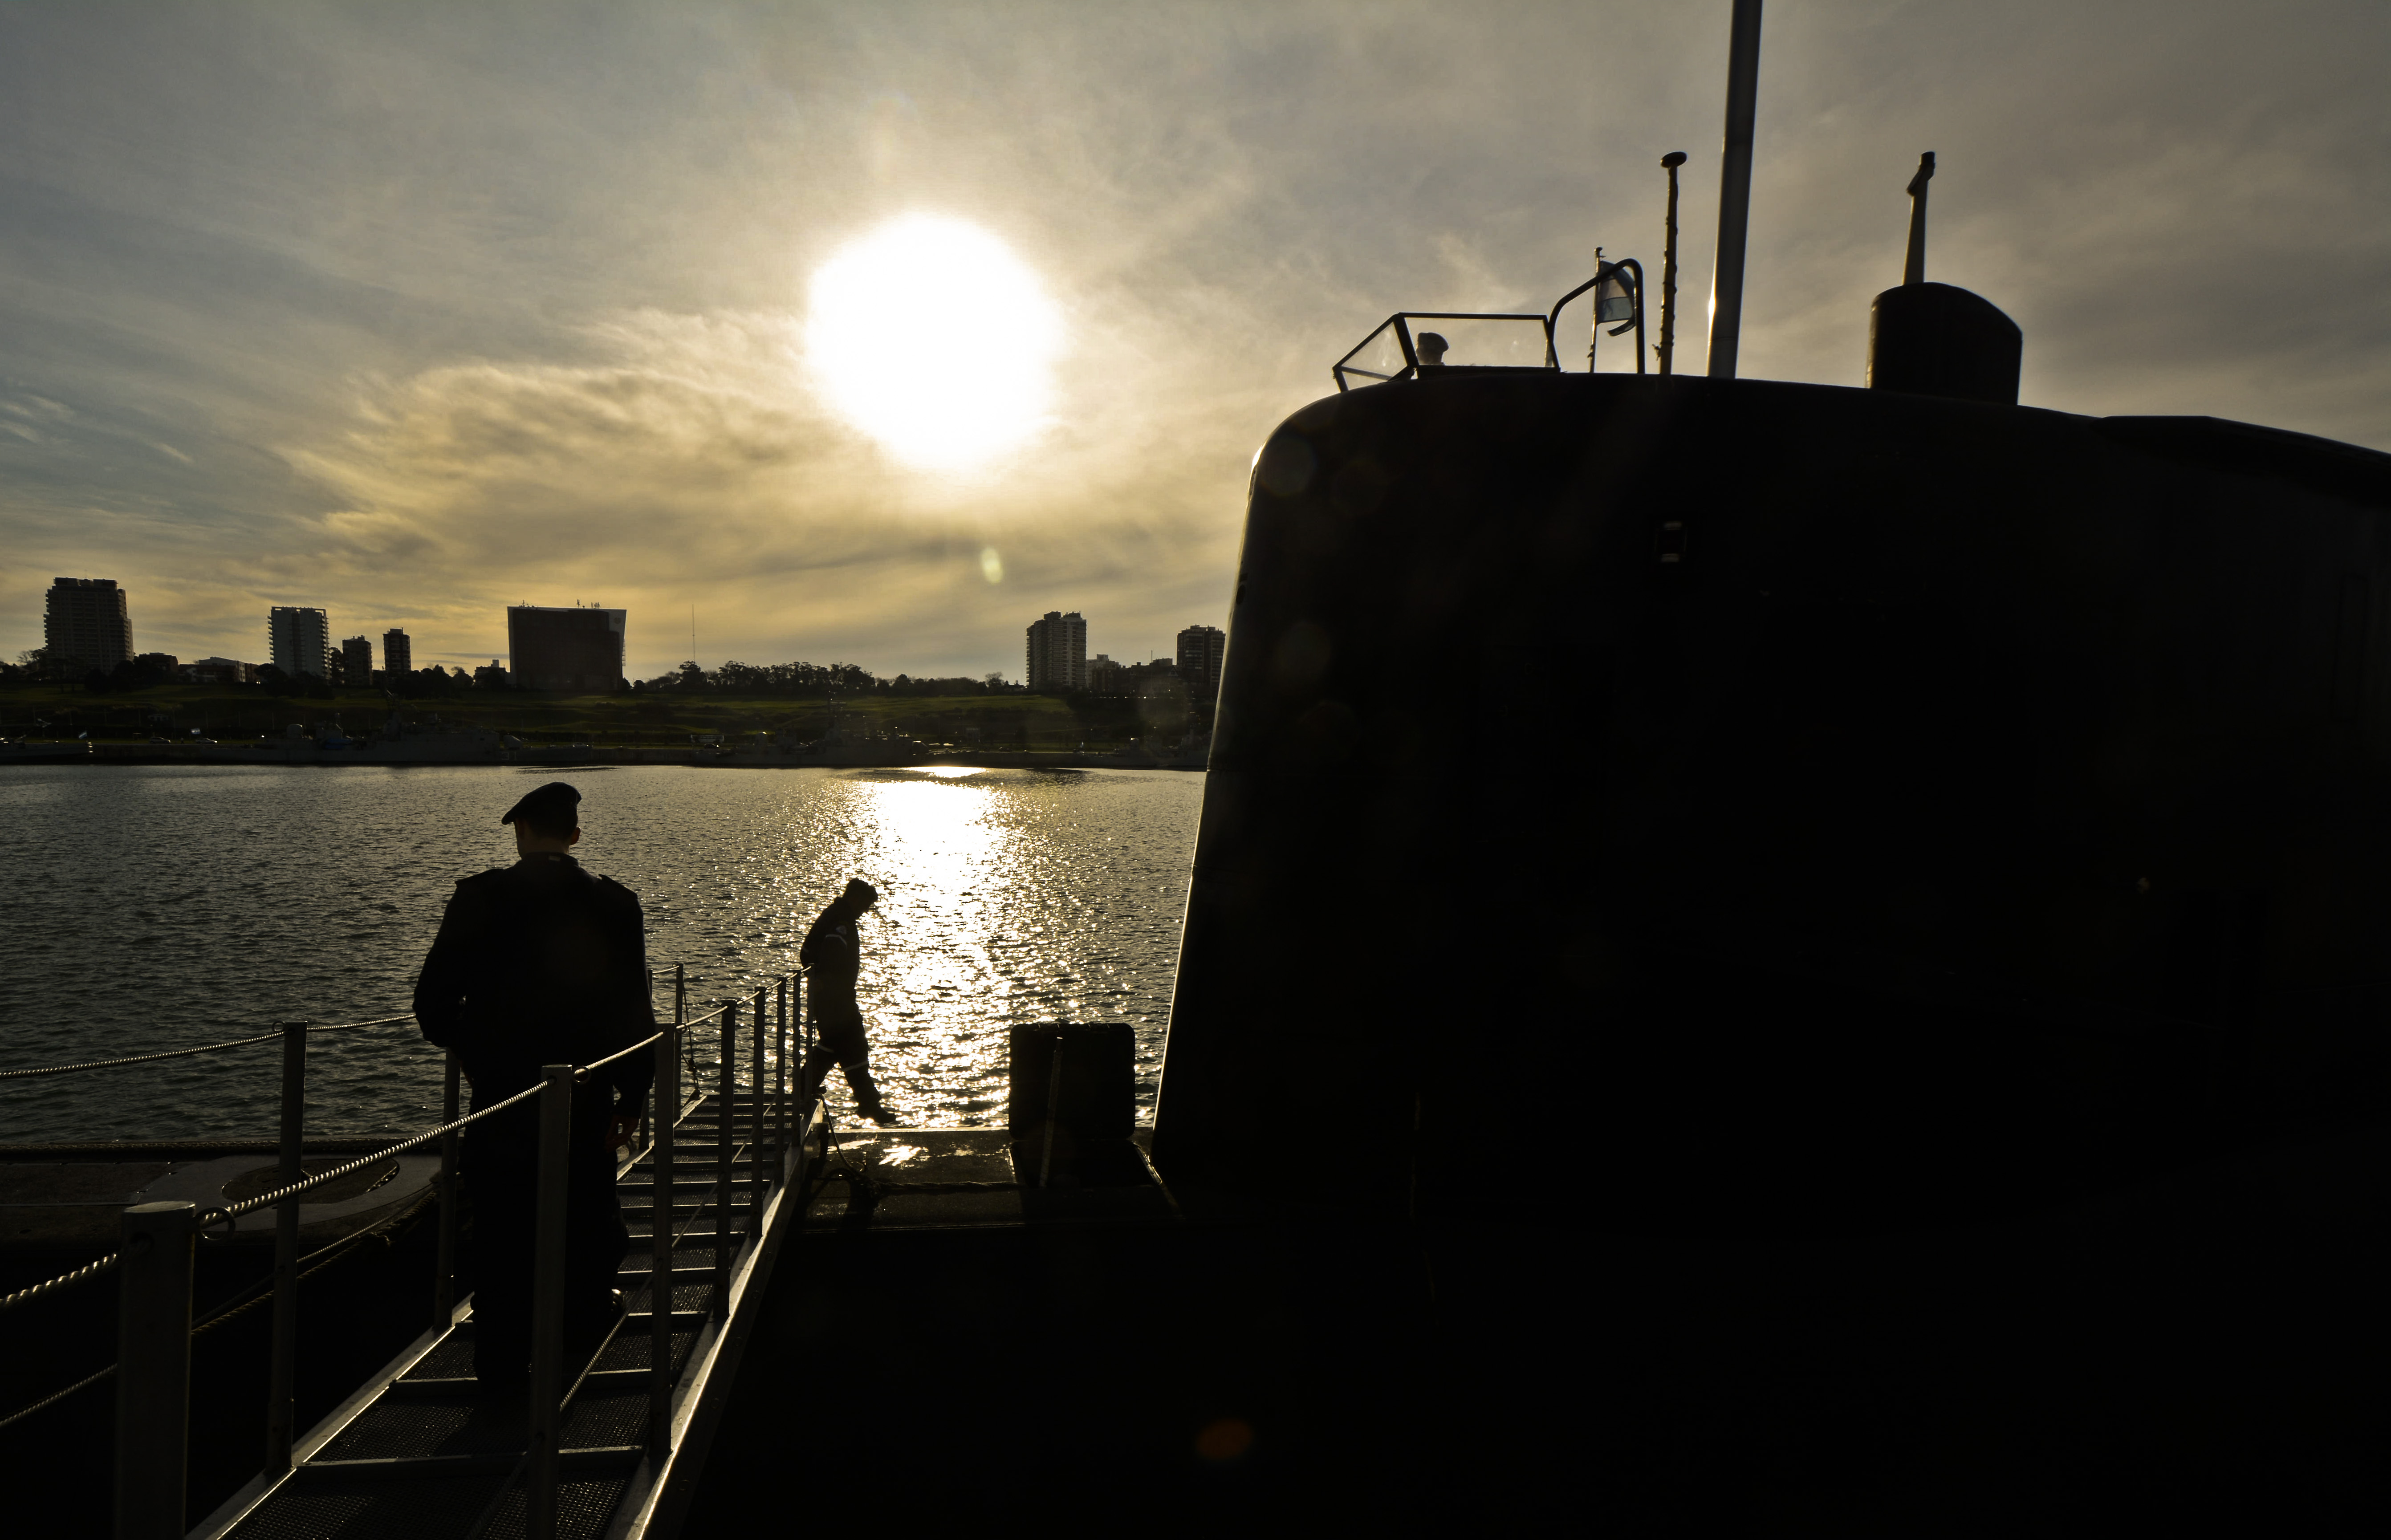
(1735, 188)
(1913, 268)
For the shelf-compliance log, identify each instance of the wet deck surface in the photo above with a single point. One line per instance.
(936, 1179)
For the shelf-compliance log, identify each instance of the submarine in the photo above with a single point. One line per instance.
(1939, 806)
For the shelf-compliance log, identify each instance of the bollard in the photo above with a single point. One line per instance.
(443, 1279)
(547, 1301)
(665, 1093)
(283, 1362)
(1053, 1105)
(153, 1370)
(723, 1152)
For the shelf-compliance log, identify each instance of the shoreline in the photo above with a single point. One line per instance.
(558, 759)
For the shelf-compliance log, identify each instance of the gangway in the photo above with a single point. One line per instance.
(614, 1439)
(401, 1457)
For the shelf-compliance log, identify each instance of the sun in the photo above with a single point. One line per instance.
(931, 336)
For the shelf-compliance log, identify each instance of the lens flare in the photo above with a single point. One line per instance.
(932, 337)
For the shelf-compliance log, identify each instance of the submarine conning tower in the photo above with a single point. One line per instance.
(1675, 801)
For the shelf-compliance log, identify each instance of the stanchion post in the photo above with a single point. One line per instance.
(755, 1140)
(646, 1108)
(665, 1093)
(283, 1362)
(680, 1016)
(444, 1282)
(781, 1087)
(724, 1148)
(153, 1370)
(548, 1301)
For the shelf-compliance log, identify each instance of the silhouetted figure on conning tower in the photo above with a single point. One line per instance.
(1433, 347)
(541, 962)
(833, 954)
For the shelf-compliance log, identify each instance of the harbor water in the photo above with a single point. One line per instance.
(148, 908)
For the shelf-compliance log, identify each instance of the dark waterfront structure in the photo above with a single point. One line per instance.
(89, 621)
(573, 650)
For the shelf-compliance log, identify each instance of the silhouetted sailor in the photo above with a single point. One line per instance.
(541, 962)
(1431, 348)
(834, 953)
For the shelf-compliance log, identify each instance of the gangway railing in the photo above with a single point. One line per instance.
(160, 1241)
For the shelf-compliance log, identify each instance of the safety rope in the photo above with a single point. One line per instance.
(185, 1052)
(89, 1269)
(283, 1194)
(240, 1303)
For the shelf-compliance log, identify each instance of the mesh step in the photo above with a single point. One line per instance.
(609, 1460)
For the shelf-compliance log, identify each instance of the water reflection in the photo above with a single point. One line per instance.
(156, 907)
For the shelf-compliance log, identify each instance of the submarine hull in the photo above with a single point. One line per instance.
(1709, 800)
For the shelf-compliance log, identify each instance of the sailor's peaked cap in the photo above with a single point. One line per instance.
(552, 803)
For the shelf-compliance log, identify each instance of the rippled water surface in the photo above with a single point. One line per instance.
(149, 908)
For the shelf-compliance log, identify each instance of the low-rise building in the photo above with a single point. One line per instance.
(218, 671)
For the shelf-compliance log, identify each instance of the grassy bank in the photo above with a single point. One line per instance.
(234, 712)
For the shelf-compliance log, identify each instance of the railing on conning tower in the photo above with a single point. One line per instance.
(160, 1240)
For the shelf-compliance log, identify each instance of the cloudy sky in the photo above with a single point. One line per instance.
(415, 312)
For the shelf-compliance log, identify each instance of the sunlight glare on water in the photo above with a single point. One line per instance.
(153, 907)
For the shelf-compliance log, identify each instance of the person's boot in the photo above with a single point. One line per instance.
(867, 1095)
(816, 1071)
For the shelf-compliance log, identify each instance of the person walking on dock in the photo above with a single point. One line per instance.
(833, 954)
(541, 962)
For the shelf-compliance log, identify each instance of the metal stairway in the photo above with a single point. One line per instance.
(412, 1453)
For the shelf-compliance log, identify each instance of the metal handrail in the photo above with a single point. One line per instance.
(238, 1303)
(204, 1048)
(283, 1194)
(146, 1234)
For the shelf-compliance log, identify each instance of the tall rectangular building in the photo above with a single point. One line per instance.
(88, 620)
(397, 655)
(1058, 653)
(301, 640)
(1200, 650)
(356, 663)
(573, 650)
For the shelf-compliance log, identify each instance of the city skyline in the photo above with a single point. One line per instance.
(284, 333)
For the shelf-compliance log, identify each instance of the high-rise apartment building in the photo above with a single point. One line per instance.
(1058, 653)
(89, 622)
(1103, 675)
(301, 640)
(1200, 650)
(397, 655)
(576, 650)
(356, 663)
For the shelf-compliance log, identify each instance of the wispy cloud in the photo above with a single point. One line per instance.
(415, 313)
